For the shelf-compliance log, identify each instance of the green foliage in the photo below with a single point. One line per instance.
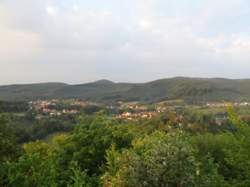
(229, 150)
(8, 146)
(80, 178)
(193, 90)
(27, 128)
(159, 160)
(10, 106)
(89, 141)
(100, 151)
(36, 167)
(31, 170)
(46, 126)
(239, 154)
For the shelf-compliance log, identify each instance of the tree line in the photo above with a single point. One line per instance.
(100, 151)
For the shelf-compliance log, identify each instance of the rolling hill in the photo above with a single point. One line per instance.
(189, 89)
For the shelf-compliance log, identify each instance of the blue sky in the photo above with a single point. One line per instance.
(77, 41)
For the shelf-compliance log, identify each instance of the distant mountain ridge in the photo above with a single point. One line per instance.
(189, 89)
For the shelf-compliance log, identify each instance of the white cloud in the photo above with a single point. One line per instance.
(51, 11)
(156, 37)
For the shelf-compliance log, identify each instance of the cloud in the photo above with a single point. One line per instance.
(15, 44)
(133, 40)
(51, 11)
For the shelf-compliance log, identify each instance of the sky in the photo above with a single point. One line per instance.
(78, 41)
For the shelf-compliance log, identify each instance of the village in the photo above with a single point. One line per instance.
(131, 111)
(136, 111)
(124, 110)
(226, 104)
(56, 107)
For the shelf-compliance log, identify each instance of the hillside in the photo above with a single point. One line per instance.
(189, 89)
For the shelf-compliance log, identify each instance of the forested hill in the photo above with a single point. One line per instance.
(189, 89)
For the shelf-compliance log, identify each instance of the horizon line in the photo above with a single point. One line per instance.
(117, 82)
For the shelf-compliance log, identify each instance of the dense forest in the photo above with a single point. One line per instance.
(175, 149)
(193, 90)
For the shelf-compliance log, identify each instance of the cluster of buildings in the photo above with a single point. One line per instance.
(41, 104)
(53, 112)
(80, 103)
(48, 107)
(132, 106)
(161, 109)
(224, 104)
(136, 111)
(136, 116)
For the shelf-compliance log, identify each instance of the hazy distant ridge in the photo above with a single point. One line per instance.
(190, 89)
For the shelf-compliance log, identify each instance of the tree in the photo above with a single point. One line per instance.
(36, 167)
(229, 150)
(88, 143)
(8, 146)
(159, 160)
